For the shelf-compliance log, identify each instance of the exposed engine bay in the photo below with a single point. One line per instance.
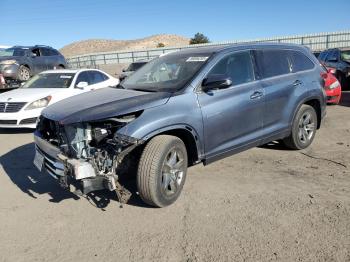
(91, 152)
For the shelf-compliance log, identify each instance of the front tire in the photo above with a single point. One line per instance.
(23, 73)
(303, 128)
(162, 170)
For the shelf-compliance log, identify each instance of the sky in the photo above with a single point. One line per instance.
(61, 22)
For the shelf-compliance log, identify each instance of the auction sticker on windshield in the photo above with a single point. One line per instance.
(38, 160)
(197, 59)
(69, 77)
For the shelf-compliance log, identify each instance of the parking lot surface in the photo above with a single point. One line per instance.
(265, 204)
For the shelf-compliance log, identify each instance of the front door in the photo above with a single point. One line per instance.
(233, 117)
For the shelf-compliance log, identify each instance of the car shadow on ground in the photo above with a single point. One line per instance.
(18, 165)
(275, 145)
(16, 130)
(345, 99)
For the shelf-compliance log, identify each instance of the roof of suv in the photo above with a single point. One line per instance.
(33, 46)
(216, 49)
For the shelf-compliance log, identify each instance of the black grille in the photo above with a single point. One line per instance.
(11, 107)
(8, 122)
(28, 121)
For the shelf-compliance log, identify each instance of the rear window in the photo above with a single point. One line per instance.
(332, 56)
(97, 77)
(136, 66)
(322, 56)
(300, 62)
(272, 62)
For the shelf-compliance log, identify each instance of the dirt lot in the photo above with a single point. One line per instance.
(265, 204)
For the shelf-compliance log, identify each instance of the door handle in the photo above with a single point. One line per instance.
(297, 83)
(256, 94)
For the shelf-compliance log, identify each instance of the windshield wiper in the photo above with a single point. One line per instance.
(119, 86)
(145, 90)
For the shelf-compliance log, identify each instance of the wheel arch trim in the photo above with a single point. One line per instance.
(180, 127)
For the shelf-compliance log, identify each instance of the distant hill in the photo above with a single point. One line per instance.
(104, 45)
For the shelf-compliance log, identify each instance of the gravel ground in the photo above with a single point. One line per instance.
(265, 204)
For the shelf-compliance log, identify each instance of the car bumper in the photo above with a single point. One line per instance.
(21, 119)
(333, 95)
(9, 71)
(65, 170)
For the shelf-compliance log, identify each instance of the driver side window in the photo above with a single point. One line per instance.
(237, 66)
(36, 51)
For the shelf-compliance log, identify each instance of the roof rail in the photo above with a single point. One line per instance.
(42, 46)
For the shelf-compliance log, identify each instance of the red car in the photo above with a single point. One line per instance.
(332, 87)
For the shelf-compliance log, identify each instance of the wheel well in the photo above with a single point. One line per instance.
(315, 103)
(60, 65)
(26, 66)
(187, 137)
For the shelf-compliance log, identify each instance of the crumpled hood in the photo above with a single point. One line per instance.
(103, 103)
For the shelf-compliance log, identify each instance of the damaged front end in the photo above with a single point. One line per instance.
(85, 157)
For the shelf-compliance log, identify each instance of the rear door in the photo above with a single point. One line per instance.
(279, 84)
(232, 117)
(285, 78)
(49, 58)
(38, 61)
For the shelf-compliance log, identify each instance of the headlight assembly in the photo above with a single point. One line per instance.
(334, 85)
(8, 62)
(40, 103)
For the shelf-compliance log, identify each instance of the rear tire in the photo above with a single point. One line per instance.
(303, 128)
(23, 73)
(162, 170)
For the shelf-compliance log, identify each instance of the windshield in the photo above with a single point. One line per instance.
(53, 80)
(167, 73)
(135, 66)
(12, 52)
(345, 55)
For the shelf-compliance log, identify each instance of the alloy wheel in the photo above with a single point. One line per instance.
(172, 172)
(306, 127)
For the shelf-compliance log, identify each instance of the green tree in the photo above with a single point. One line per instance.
(160, 45)
(199, 38)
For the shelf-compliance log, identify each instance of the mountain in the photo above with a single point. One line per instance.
(104, 45)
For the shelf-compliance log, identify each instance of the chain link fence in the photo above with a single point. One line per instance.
(317, 42)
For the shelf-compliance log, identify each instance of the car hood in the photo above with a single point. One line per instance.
(103, 103)
(29, 94)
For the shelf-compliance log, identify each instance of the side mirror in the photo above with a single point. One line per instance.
(217, 81)
(82, 85)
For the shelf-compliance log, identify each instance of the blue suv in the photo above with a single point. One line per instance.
(193, 106)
